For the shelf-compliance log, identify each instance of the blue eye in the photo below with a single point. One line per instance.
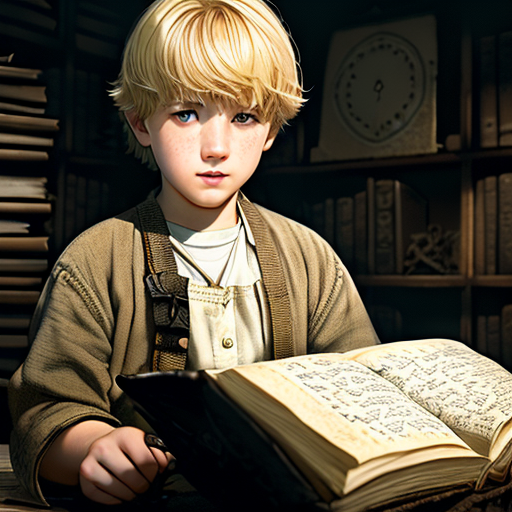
(185, 116)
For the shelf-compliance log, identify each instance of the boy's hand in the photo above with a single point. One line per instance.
(119, 466)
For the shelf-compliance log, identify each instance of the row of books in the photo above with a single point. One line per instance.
(494, 336)
(39, 16)
(495, 80)
(493, 225)
(26, 139)
(372, 230)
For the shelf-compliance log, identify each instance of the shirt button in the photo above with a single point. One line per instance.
(227, 343)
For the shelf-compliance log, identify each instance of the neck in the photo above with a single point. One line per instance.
(184, 213)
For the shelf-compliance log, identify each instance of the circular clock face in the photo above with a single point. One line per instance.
(379, 87)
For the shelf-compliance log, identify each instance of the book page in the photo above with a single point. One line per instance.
(470, 393)
(347, 404)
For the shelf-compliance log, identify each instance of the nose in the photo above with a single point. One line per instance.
(215, 138)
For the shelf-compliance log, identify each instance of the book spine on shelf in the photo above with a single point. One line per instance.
(494, 337)
(35, 93)
(384, 227)
(488, 93)
(15, 322)
(28, 208)
(329, 222)
(25, 73)
(505, 88)
(29, 123)
(506, 335)
(491, 218)
(481, 334)
(370, 196)
(19, 296)
(14, 227)
(23, 155)
(25, 140)
(318, 217)
(505, 223)
(25, 282)
(360, 233)
(13, 341)
(32, 244)
(344, 240)
(480, 267)
(23, 265)
(13, 107)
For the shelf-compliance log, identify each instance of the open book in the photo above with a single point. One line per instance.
(362, 428)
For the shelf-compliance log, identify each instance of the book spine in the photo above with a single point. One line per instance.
(488, 96)
(318, 217)
(480, 228)
(345, 230)
(370, 195)
(491, 218)
(23, 155)
(360, 233)
(384, 227)
(494, 337)
(13, 107)
(25, 140)
(24, 282)
(25, 73)
(505, 88)
(13, 341)
(29, 208)
(329, 221)
(19, 296)
(481, 334)
(29, 123)
(506, 335)
(23, 265)
(15, 244)
(34, 93)
(505, 223)
(15, 322)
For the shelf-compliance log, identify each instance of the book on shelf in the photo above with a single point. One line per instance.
(488, 96)
(14, 107)
(35, 93)
(25, 155)
(399, 213)
(505, 88)
(23, 187)
(25, 140)
(354, 431)
(24, 282)
(505, 223)
(19, 296)
(387, 322)
(491, 218)
(481, 334)
(25, 208)
(370, 209)
(15, 322)
(360, 233)
(13, 227)
(14, 72)
(31, 123)
(479, 222)
(344, 230)
(23, 265)
(494, 337)
(23, 243)
(13, 341)
(6, 58)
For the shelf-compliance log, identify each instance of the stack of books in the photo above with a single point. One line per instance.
(26, 140)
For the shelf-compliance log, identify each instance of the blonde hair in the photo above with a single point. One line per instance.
(227, 50)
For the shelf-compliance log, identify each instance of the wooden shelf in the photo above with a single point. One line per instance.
(496, 281)
(419, 281)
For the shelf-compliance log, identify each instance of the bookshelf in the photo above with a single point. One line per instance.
(433, 304)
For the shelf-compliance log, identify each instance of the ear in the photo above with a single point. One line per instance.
(138, 127)
(269, 141)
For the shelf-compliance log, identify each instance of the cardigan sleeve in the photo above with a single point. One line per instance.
(65, 378)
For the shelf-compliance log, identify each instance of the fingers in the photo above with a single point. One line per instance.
(119, 466)
(163, 459)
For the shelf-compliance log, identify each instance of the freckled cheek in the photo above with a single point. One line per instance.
(178, 147)
(253, 144)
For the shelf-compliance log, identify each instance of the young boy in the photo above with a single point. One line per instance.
(196, 276)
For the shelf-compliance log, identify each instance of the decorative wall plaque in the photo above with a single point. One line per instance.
(380, 92)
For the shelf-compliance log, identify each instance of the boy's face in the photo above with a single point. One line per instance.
(205, 152)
